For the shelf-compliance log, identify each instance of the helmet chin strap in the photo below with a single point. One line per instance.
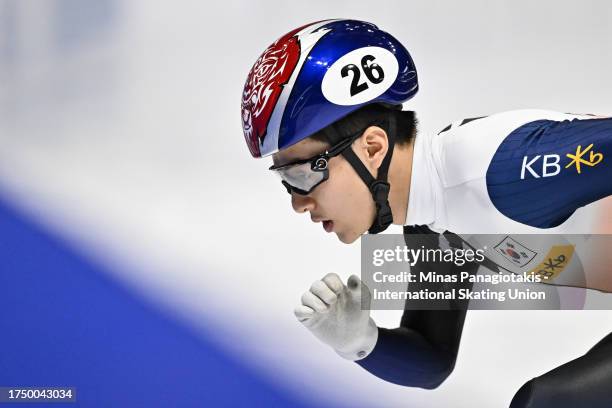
(379, 186)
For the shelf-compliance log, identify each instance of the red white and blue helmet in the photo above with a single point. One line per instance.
(317, 74)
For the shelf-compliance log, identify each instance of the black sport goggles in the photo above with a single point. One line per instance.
(303, 176)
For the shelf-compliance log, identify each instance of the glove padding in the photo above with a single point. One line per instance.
(333, 312)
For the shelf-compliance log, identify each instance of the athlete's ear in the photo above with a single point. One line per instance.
(374, 145)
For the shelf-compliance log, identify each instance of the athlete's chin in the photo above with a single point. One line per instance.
(347, 238)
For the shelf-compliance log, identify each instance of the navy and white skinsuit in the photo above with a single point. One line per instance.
(510, 173)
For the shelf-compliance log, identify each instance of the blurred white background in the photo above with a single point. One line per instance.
(120, 129)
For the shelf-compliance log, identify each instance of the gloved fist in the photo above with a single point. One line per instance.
(333, 312)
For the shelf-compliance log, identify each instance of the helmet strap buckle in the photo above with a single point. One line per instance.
(380, 192)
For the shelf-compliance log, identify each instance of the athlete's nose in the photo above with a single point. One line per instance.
(302, 203)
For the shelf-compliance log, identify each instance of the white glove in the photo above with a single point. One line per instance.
(333, 313)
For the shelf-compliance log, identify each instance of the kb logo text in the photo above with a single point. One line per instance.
(548, 165)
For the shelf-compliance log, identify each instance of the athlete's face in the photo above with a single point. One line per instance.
(343, 203)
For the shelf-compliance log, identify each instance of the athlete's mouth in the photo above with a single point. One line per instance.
(328, 225)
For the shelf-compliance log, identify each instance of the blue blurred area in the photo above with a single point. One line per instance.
(54, 27)
(65, 322)
(77, 20)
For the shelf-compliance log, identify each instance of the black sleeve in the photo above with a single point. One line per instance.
(422, 351)
(583, 382)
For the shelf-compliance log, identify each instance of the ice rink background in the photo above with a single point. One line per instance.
(121, 142)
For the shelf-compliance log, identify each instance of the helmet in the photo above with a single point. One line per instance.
(317, 74)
